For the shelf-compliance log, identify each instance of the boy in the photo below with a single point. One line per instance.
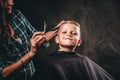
(65, 64)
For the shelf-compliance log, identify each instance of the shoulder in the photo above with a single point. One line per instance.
(82, 56)
(67, 56)
(16, 11)
(85, 59)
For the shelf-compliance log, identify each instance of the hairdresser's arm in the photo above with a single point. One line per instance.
(37, 37)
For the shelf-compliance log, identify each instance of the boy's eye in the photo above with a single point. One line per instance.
(74, 33)
(64, 32)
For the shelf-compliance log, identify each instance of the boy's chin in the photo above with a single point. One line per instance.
(69, 46)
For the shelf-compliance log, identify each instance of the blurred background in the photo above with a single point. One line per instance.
(100, 27)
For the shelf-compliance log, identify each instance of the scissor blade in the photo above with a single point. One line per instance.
(45, 26)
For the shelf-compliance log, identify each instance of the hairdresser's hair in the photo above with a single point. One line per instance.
(4, 27)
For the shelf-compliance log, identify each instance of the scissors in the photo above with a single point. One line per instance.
(45, 26)
(46, 44)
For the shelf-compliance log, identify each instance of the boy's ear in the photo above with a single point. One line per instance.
(79, 42)
(57, 39)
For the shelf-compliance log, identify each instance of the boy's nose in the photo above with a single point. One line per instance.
(69, 34)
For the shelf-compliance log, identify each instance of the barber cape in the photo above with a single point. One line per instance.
(71, 66)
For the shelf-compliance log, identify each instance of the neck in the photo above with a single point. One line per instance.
(66, 49)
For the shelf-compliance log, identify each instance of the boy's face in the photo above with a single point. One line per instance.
(68, 36)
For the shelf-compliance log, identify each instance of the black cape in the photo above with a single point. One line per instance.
(71, 66)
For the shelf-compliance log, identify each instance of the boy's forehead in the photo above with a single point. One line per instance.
(68, 26)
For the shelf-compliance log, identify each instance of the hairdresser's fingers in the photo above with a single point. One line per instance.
(60, 23)
(41, 41)
(50, 35)
(39, 38)
(36, 39)
(35, 43)
(37, 33)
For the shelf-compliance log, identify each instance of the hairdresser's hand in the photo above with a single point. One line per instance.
(52, 33)
(60, 23)
(37, 40)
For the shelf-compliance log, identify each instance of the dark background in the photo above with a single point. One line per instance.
(100, 26)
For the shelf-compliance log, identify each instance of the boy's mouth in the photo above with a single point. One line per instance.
(68, 39)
